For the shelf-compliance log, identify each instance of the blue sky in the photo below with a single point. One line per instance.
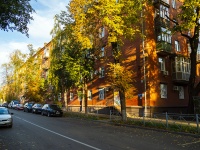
(39, 29)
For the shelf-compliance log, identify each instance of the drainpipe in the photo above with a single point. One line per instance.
(144, 63)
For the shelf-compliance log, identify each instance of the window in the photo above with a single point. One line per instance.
(89, 94)
(181, 92)
(101, 94)
(71, 96)
(101, 72)
(182, 65)
(163, 90)
(102, 52)
(162, 63)
(174, 4)
(164, 11)
(177, 46)
(165, 35)
(102, 32)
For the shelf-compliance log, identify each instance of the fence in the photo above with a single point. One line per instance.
(166, 120)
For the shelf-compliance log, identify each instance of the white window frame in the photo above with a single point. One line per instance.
(165, 35)
(163, 90)
(177, 46)
(161, 61)
(174, 4)
(182, 65)
(102, 53)
(71, 97)
(181, 92)
(101, 32)
(89, 94)
(164, 11)
(101, 72)
(101, 94)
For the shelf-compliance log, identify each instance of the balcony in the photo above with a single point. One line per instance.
(161, 22)
(163, 48)
(180, 77)
(163, 2)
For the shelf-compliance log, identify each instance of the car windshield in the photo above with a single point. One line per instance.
(53, 106)
(39, 105)
(3, 111)
(16, 102)
(30, 104)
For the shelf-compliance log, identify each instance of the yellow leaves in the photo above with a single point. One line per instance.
(116, 17)
(119, 77)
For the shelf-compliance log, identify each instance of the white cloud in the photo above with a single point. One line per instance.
(39, 29)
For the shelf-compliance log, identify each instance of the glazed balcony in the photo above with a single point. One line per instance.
(161, 22)
(180, 77)
(163, 48)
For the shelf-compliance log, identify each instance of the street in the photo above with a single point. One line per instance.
(36, 132)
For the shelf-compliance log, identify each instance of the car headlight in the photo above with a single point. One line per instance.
(10, 119)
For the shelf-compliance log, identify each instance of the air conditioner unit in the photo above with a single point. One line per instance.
(165, 73)
(175, 88)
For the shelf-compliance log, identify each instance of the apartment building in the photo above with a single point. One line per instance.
(160, 62)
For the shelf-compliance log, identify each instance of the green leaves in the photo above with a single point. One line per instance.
(15, 15)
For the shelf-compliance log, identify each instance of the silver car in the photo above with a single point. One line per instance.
(6, 117)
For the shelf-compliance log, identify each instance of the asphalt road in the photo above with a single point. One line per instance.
(36, 132)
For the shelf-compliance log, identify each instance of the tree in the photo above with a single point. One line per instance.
(121, 80)
(186, 22)
(69, 65)
(15, 15)
(119, 18)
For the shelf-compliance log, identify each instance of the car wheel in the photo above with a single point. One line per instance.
(42, 113)
(10, 126)
(49, 115)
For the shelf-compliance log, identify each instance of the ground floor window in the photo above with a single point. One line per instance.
(163, 90)
(181, 92)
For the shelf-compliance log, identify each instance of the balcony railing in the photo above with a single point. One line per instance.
(180, 76)
(161, 22)
(163, 48)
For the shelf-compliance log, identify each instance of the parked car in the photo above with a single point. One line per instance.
(28, 106)
(37, 108)
(51, 110)
(19, 107)
(5, 105)
(13, 103)
(6, 117)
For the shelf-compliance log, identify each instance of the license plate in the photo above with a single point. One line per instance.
(57, 112)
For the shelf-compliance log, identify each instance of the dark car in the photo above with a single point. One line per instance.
(51, 110)
(37, 108)
(5, 105)
(6, 117)
(28, 106)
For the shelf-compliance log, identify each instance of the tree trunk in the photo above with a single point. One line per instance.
(123, 105)
(85, 96)
(191, 85)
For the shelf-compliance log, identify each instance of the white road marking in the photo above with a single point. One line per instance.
(59, 134)
(190, 143)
